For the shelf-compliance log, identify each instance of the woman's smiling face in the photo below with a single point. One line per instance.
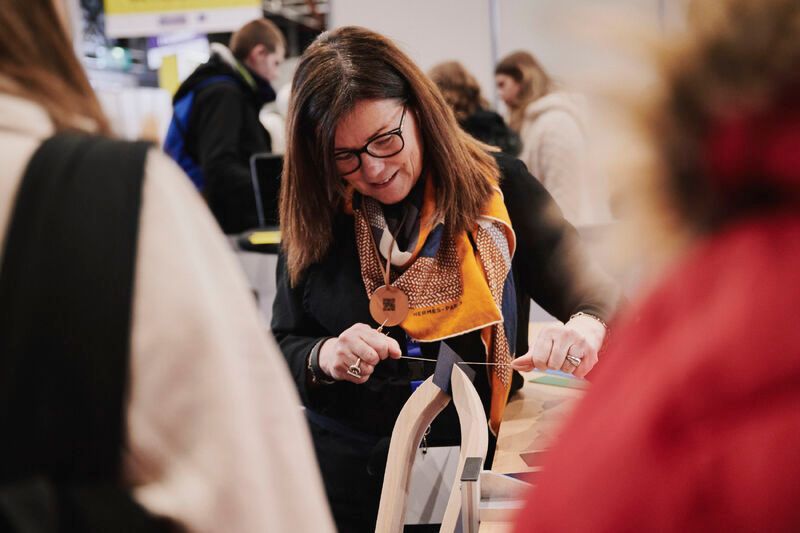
(386, 179)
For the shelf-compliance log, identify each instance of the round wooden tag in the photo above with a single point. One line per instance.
(389, 305)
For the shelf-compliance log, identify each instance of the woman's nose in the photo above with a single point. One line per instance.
(372, 166)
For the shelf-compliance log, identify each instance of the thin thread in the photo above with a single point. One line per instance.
(457, 362)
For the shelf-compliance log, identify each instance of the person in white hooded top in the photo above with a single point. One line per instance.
(550, 123)
(216, 440)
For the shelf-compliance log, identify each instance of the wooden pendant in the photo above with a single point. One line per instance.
(388, 305)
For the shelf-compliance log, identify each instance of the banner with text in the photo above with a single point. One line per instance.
(143, 18)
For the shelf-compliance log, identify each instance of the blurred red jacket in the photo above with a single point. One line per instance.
(693, 419)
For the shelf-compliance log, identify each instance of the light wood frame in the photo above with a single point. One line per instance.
(417, 414)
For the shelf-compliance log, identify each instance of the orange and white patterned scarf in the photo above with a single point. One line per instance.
(452, 287)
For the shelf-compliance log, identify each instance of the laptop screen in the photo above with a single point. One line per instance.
(266, 171)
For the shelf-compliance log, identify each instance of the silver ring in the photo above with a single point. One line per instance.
(355, 369)
(574, 361)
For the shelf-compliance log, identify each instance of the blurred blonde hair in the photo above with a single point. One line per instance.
(533, 80)
(738, 58)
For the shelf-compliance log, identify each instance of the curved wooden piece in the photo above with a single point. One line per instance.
(474, 438)
(417, 414)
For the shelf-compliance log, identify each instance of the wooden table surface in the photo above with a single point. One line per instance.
(530, 423)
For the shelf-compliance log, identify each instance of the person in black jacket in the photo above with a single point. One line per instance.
(223, 128)
(380, 182)
(463, 93)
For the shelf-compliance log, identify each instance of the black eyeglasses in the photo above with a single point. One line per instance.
(381, 146)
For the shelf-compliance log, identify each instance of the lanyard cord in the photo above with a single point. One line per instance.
(391, 245)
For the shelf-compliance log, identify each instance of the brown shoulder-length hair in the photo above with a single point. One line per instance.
(533, 80)
(343, 67)
(37, 63)
(459, 88)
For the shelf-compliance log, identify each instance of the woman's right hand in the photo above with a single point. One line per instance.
(359, 341)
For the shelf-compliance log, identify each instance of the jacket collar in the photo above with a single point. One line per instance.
(227, 57)
(24, 117)
(572, 103)
(261, 88)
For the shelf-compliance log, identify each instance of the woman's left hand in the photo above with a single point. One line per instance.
(579, 338)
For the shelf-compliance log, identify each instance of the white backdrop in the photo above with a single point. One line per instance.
(430, 31)
(574, 39)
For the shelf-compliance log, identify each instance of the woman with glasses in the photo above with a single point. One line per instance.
(401, 231)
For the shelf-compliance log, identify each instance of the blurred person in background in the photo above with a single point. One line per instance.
(550, 123)
(223, 128)
(273, 117)
(694, 419)
(200, 425)
(380, 182)
(463, 94)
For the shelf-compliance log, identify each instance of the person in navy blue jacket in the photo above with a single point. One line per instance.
(223, 128)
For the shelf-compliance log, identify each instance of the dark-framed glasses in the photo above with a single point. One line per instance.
(381, 146)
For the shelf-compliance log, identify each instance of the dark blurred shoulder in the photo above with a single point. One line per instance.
(490, 128)
(514, 173)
